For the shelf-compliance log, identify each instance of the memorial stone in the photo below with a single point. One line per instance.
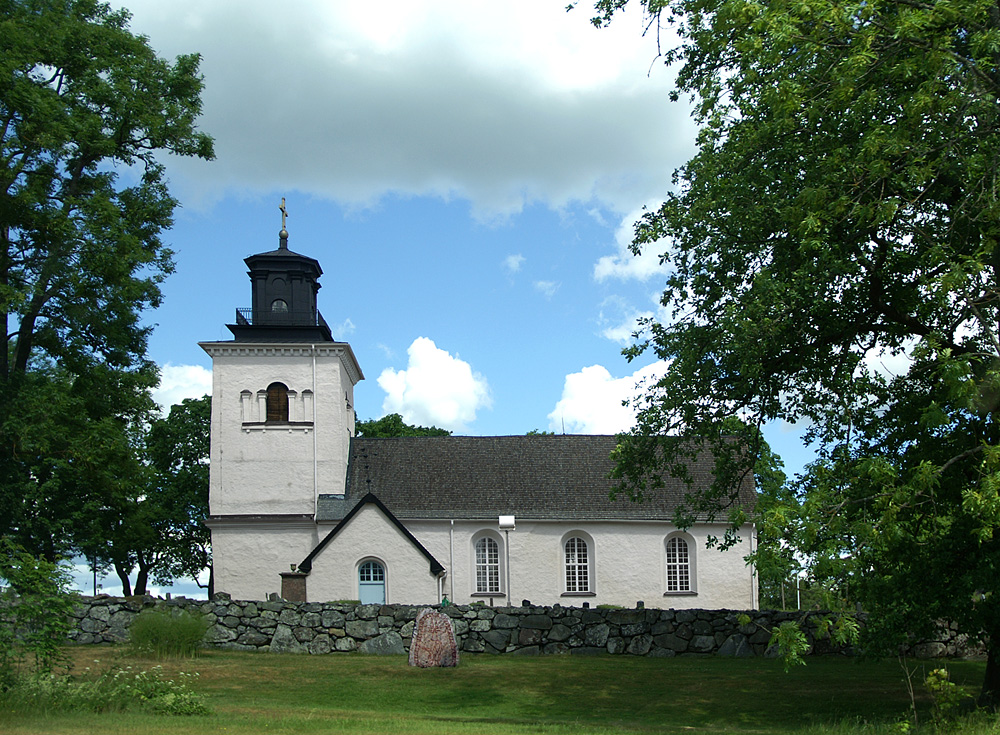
(433, 642)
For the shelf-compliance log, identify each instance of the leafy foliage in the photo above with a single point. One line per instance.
(948, 696)
(86, 109)
(393, 425)
(152, 526)
(834, 255)
(35, 607)
(115, 690)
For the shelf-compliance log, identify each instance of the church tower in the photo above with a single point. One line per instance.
(282, 421)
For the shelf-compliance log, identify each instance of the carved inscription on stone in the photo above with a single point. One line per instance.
(433, 642)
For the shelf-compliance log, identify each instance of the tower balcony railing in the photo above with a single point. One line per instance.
(245, 317)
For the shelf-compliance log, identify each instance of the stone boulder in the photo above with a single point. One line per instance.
(433, 642)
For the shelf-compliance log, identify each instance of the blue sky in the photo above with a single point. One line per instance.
(466, 172)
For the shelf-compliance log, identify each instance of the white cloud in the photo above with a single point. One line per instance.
(178, 382)
(546, 288)
(619, 320)
(622, 331)
(343, 330)
(592, 399)
(436, 388)
(499, 103)
(623, 265)
(513, 263)
(882, 361)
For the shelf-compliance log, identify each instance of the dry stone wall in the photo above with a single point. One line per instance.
(321, 628)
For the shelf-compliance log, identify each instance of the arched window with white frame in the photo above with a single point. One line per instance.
(680, 569)
(488, 577)
(577, 565)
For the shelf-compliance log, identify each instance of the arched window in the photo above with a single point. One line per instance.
(277, 402)
(678, 565)
(279, 305)
(577, 565)
(487, 566)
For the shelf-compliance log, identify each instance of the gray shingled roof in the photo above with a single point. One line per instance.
(483, 477)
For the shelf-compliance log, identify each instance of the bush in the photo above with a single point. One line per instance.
(948, 697)
(162, 633)
(116, 690)
(35, 606)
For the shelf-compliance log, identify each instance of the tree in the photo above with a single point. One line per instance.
(86, 109)
(69, 454)
(393, 425)
(155, 527)
(178, 448)
(834, 260)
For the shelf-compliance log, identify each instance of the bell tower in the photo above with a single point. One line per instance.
(282, 422)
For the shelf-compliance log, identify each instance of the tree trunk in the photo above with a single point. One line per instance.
(989, 697)
(122, 573)
(140, 582)
(142, 576)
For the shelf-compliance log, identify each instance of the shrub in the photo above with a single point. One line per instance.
(162, 633)
(948, 697)
(116, 690)
(34, 614)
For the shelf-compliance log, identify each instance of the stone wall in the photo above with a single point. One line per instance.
(320, 628)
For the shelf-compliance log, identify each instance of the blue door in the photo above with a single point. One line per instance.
(371, 583)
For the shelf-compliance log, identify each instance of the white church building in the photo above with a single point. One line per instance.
(302, 507)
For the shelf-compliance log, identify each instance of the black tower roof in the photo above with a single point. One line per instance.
(284, 285)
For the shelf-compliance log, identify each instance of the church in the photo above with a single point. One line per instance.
(301, 507)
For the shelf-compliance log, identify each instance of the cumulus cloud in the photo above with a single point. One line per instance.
(502, 104)
(436, 388)
(592, 399)
(623, 265)
(621, 332)
(178, 382)
(513, 263)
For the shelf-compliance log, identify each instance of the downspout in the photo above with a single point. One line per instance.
(315, 439)
(451, 560)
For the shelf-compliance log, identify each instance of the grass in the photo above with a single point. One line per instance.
(167, 633)
(557, 695)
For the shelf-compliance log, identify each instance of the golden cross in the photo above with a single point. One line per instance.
(284, 212)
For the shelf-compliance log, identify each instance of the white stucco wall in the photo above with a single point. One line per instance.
(249, 558)
(628, 563)
(370, 535)
(265, 478)
(279, 469)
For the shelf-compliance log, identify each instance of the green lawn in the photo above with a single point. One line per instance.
(265, 693)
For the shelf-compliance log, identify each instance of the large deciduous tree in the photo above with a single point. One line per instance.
(86, 108)
(834, 260)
